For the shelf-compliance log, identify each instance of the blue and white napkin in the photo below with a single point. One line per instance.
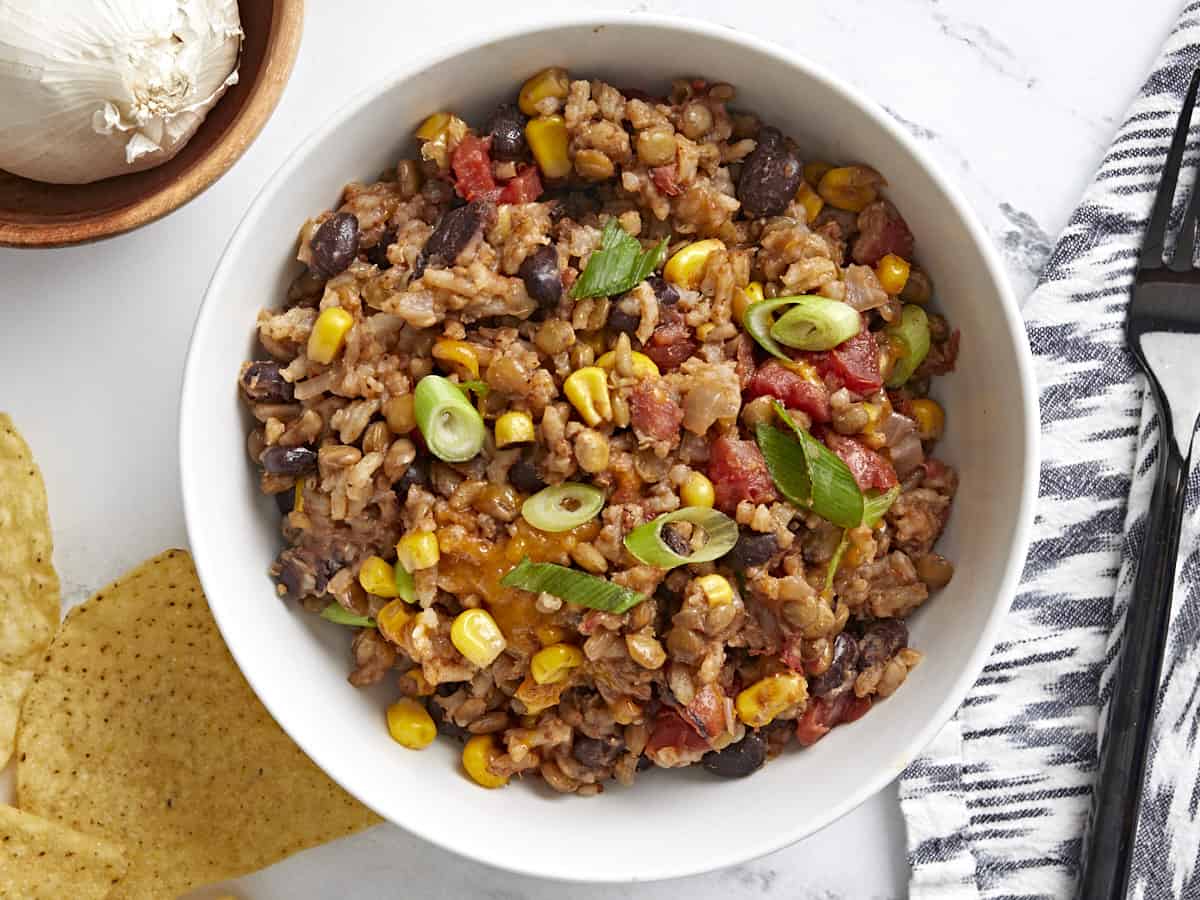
(996, 806)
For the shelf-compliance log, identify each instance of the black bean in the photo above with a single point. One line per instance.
(841, 672)
(285, 500)
(625, 315)
(262, 382)
(597, 753)
(751, 549)
(523, 475)
(289, 460)
(335, 245)
(507, 127)
(665, 291)
(738, 760)
(542, 278)
(644, 763)
(326, 569)
(446, 725)
(770, 176)
(676, 541)
(416, 474)
(378, 253)
(453, 232)
(881, 641)
(294, 573)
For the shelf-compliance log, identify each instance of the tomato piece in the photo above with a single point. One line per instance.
(813, 725)
(670, 730)
(870, 470)
(776, 380)
(524, 188)
(854, 362)
(739, 472)
(664, 179)
(706, 712)
(653, 412)
(473, 169)
(670, 345)
(855, 709)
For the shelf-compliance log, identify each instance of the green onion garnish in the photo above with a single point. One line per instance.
(835, 561)
(337, 613)
(452, 427)
(816, 323)
(406, 588)
(572, 586)
(618, 265)
(647, 544)
(876, 504)
(562, 507)
(911, 333)
(479, 387)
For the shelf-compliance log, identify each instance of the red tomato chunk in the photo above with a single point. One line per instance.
(473, 169)
(524, 188)
(854, 362)
(776, 380)
(870, 470)
(653, 412)
(739, 472)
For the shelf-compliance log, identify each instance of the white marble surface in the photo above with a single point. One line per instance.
(1017, 101)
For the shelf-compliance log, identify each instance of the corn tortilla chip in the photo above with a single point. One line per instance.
(141, 730)
(29, 599)
(41, 860)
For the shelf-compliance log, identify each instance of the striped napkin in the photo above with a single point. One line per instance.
(996, 806)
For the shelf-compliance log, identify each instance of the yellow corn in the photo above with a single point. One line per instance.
(751, 293)
(643, 366)
(410, 725)
(810, 200)
(417, 550)
(514, 428)
(892, 272)
(547, 139)
(759, 704)
(872, 436)
(377, 577)
(686, 267)
(392, 619)
(549, 634)
(814, 171)
(697, 490)
(328, 334)
(460, 353)
(552, 82)
(434, 126)
(930, 417)
(477, 756)
(716, 589)
(298, 498)
(587, 389)
(850, 187)
(476, 636)
(553, 664)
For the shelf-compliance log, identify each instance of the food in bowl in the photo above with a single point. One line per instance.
(606, 424)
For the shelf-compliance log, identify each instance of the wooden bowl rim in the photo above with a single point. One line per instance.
(287, 28)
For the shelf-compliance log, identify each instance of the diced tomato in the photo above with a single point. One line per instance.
(792, 654)
(664, 179)
(670, 730)
(744, 350)
(823, 714)
(524, 188)
(870, 470)
(670, 344)
(706, 712)
(881, 230)
(854, 362)
(739, 472)
(473, 169)
(653, 412)
(776, 380)
(855, 709)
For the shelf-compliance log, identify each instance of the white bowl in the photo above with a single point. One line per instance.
(671, 823)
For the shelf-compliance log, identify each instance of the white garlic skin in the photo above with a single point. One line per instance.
(90, 89)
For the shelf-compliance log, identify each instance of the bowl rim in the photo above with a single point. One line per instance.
(1005, 590)
(287, 31)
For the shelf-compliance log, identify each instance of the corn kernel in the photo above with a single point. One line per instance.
(751, 293)
(410, 724)
(549, 634)
(686, 267)
(547, 139)
(377, 577)
(434, 126)
(514, 428)
(551, 82)
(759, 704)
(587, 389)
(328, 334)
(872, 435)
(698, 490)
(298, 497)
(892, 272)
(814, 171)
(930, 417)
(476, 636)
(553, 664)
(477, 755)
(459, 353)
(643, 366)
(810, 200)
(850, 187)
(417, 550)
(716, 589)
(391, 620)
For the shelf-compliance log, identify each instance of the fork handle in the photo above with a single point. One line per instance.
(1118, 791)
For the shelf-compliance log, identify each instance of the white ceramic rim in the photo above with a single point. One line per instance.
(1019, 546)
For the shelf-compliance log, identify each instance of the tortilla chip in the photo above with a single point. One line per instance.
(41, 860)
(29, 600)
(142, 730)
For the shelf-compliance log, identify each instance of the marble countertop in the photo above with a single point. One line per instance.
(1017, 101)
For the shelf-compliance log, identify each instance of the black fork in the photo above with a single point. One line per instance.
(1163, 332)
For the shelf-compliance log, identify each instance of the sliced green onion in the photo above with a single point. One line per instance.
(647, 544)
(835, 561)
(337, 613)
(572, 586)
(406, 588)
(618, 265)
(453, 429)
(758, 320)
(816, 323)
(876, 504)
(479, 387)
(562, 507)
(911, 333)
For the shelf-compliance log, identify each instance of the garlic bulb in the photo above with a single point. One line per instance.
(95, 88)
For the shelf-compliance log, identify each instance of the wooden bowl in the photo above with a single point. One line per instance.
(36, 214)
